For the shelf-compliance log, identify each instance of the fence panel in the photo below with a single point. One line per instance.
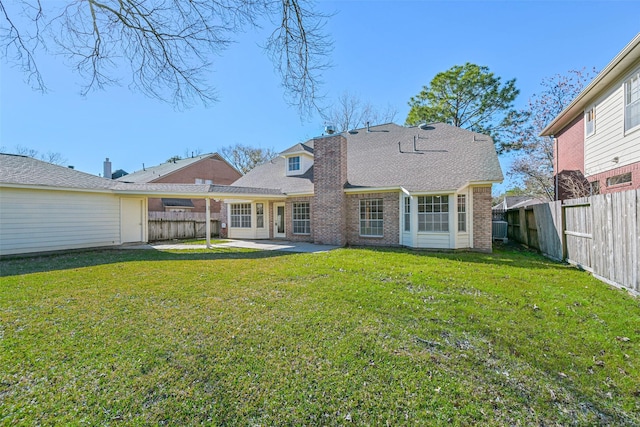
(548, 220)
(599, 233)
(578, 230)
(180, 225)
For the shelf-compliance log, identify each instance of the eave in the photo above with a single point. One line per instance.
(625, 60)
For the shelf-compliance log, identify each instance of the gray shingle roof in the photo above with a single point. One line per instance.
(22, 170)
(15, 169)
(149, 174)
(445, 158)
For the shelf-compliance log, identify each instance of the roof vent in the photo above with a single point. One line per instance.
(329, 129)
(353, 131)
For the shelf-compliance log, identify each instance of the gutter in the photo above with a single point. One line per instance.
(624, 59)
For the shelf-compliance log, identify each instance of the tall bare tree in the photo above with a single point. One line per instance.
(244, 158)
(167, 45)
(533, 165)
(350, 112)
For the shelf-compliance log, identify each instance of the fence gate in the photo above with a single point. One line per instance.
(578, 233)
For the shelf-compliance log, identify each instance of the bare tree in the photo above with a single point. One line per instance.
(573, 185)
(350, 112)
(244, 158)
(168, 45)
(49, 157)
(533, 165)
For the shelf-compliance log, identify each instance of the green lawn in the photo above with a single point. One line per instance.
(353, 336)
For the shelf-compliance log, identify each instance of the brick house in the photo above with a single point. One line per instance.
(424, 187)
(597, 137)
(201, 169)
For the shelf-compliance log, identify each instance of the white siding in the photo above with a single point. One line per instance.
(609, 140)
(306, 161)
(433, 240)
(37, 220)
(462, 240)
(407, 239)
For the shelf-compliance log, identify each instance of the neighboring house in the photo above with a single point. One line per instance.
(202, 169)
(388, 185)
(45, 207)
(598, 134)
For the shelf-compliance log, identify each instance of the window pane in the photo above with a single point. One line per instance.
(301, 218)
(371, 217)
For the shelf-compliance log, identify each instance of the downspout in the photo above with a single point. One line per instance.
(555, 142)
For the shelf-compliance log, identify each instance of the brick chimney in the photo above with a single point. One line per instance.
(329, 208)
(107, 169)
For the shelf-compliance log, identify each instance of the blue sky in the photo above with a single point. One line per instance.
(384, 52)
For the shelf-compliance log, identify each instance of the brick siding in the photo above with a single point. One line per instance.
(209, 168)
(390, 215)
(634, 168)
(482, 232)
(570, 147)
(328, 206)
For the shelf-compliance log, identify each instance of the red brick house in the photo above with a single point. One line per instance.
(597, 137)
(201, 169)
(425, 187)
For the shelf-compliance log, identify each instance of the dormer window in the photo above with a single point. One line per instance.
(294, 164)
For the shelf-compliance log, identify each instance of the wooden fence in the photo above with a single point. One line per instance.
(181, 225)
(600, 234)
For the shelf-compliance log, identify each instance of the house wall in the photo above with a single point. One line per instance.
(391, 220)
(610, 139)
(570, 147)
(209, 168)
(328, 208)
(601, 178)
(39, 221)
(482, 240)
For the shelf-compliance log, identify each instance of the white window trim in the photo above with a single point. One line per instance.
(591, 109)
(240, 216)
(289, 164)
(449, 213)
(377, 199)
(306, 221)
(636, 74)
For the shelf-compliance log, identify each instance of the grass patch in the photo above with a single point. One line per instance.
(372, 337)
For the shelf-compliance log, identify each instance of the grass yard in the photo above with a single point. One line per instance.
(353, 336)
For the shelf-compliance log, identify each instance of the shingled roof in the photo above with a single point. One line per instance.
(16, 170)
(151, 173)
(438, 157)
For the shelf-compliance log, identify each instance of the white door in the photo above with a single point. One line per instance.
(132, 220)
(278, 221)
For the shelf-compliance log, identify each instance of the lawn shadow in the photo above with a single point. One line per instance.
(68, 260)
(504, 254)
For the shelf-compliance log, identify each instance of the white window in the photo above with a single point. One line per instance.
(259, 215)
(371, 217)
(407, 214)
(590, 121)
(301, 218)
(241, 215)
(294, 163)
(433, 213)
(462, 212)
(632, 101)
(204, 181)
